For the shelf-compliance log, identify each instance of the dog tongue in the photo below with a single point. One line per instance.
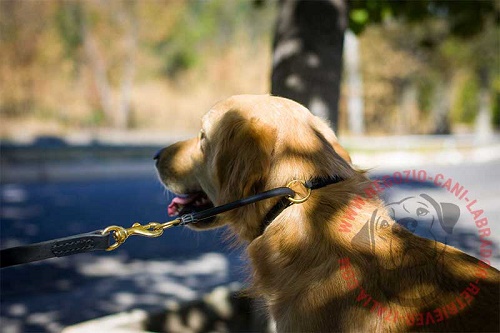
(173, 208)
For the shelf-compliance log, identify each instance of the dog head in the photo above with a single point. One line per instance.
(248, 144)
(424, 216)
(421, 215)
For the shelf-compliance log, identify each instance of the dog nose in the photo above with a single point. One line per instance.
(157, 156)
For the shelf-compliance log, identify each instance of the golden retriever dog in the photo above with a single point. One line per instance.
(305, 264)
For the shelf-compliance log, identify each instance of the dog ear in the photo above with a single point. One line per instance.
(365, 238)
(330, 136)
(448, 213)
(244, 156)
(451, 214)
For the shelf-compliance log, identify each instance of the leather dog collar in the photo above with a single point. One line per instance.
(284, 203)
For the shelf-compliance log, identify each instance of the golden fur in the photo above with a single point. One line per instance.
(249, 144)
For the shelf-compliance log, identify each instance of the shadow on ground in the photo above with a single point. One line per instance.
(144, 273)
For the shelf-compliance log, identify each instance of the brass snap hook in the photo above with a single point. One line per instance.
(119, 234)
(297, 198)
(152, 229)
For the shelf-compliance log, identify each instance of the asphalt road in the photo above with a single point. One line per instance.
(144, 273)
(182, 264)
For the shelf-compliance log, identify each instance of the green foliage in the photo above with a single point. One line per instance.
(466, 105)
(363, 12)
(421, 41)
(203, 23)
(358, 19)
(466, 17)
(426, 88)
(96, 118)
(69, 23)
(496, 110)
(495, 99)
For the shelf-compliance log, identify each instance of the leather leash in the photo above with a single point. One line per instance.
(101, 239)
(54, 248)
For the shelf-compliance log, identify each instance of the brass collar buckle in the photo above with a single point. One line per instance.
(297, 198)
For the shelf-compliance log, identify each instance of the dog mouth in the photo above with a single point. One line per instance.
(183, 204)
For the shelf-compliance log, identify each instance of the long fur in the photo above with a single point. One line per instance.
(300, 262)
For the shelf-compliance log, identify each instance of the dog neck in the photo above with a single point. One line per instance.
(281, 205)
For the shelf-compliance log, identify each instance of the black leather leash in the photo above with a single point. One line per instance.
(211, 212)
(60, 247)
(101, 239)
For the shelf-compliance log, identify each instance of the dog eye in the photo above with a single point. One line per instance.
(202, 142)
(201, 135)
(422, 211)
(384, 224)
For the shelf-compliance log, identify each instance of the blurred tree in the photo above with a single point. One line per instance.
(307, 61)
(76, 26)
(84, 64)
(20, 44)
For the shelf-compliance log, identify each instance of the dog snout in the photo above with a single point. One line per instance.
(157, 156)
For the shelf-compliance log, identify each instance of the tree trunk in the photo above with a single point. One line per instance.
(99, 74)
(117, 114)
(129, 19)
(484, 128)
(354, 81)
(441, 108)
(307, 59)
(408, 109)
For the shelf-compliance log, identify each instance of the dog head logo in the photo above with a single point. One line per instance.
(393, 248)
(422, 215)
(426, 217)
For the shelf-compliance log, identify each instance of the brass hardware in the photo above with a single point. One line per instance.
(152, 229)
(298, 200)
(155, 229)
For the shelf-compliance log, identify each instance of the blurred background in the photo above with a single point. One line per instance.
(90, 90)
(91, 68)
